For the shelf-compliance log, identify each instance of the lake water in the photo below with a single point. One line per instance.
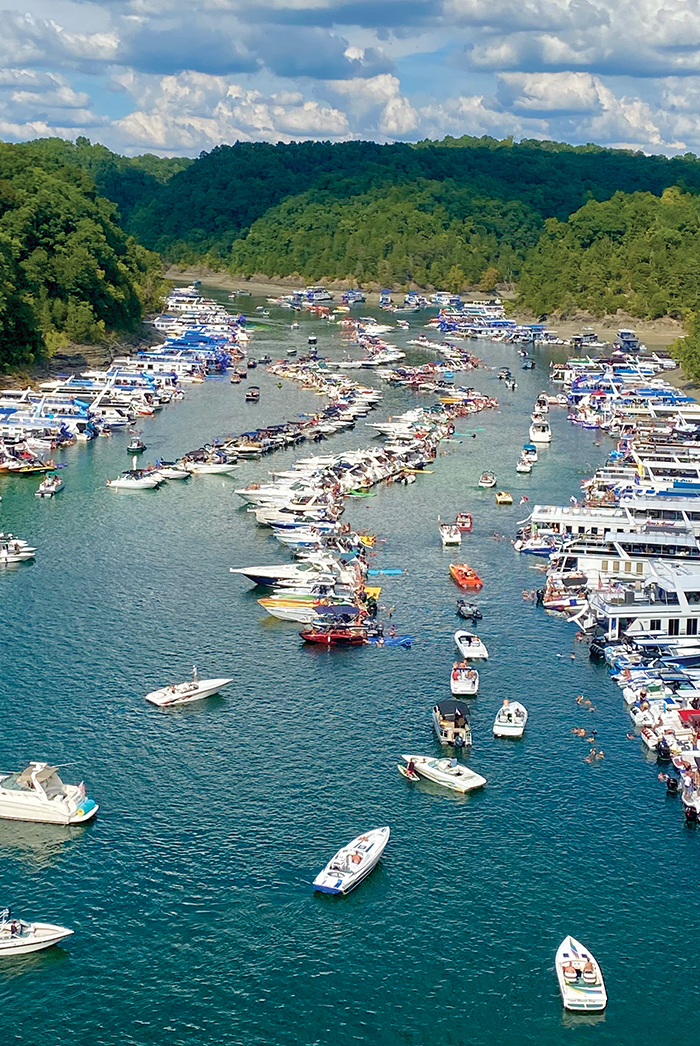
(190, 893)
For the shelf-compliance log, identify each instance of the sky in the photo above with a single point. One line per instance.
(175, 77)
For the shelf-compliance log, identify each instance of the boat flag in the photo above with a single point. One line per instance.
(523, 499)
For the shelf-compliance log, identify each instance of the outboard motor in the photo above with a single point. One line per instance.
(596, 651)
(459, 741)
(672, 786)
(691, 814)
(663, 752)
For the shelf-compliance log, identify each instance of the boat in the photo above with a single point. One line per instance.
(171, 470)
(186, 693)
(530, 451)
(465, 576)
(470, 646)
(135, 479)
(210, 468)
(510, 719)
(37, 793)
(408, 774)
(19, 937)
(446, 772)
(524, 465)
(135, 446)
(464, 680)
(580, 978)
(464, 521)
(451, 723)
(469, 611)
(449, 534)
(353, 862)
(49, 486)
(235, 379)
(504, 498)
(335, 635)
(252, 394)
(540, 431)
(487, 480)
(252, 363)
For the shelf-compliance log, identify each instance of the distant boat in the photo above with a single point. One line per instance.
(253, 394)
(446, 772)
(449, 534)
(135, 446)
(487, 479)
(510, 719)
(18, 937)
(470, 646)
(504, 498)
(465, 576)
(186, 693)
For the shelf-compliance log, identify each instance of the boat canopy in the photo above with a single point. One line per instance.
(448, 708)
(43, 774)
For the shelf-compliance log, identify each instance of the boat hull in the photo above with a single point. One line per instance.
(40, 936)
(43, 814)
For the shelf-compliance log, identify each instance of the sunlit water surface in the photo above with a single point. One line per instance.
(190, 894)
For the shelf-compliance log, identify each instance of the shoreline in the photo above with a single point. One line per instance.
(655, 334)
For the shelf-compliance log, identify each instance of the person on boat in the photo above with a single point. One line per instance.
(411, 768)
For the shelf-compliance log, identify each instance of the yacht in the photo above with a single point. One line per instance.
(37, 793)
(540, 431)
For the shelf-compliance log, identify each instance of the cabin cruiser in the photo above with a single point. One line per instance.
(470, 646)
(464, 680)
(37, 793)
(540, 431)
(446, 772)
(580, 978)
(451, 724)
(510, 719)
(185, 693)
(19, 937)
(352, 863)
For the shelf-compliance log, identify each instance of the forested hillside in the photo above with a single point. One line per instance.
(215, 201)
(68, 271)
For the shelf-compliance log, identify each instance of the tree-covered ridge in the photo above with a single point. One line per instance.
(639, 253)
(429, 233)
(207, 207)
(67, 269)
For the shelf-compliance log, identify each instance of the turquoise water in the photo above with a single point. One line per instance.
(190, 894)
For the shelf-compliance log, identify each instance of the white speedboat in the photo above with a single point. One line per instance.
(352, 863)
(540, 431)
(451, 723)
(446, 772)
(580, 978)
(37, 793)
(449, 534)
(470, 646)
(210, 468)
(185, 693)
(510, 719)
(464, 680)
(135, 479)
(18, 937)
(487, 480)
(524, 465)
(171, 470)
(49, 486)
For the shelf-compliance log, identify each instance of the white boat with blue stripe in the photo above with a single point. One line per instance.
(352, 863)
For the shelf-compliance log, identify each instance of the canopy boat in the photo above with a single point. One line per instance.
(18, 937)
(49, 486)
(252, 394)
(510, 719)
(530, 451)
(135, 446)
(446, 772)
(451, 724)
(487, 479)
(37, 793)
(580, 978)
(464, 521)
(465, 576)
(135, 479)
(449, 534)
(353, 862)
(464, 680)
(186, 693)
(540, 431)
(469, 611)
(504, 498)
(470, 646)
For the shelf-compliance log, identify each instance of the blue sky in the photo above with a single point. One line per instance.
(171, 77)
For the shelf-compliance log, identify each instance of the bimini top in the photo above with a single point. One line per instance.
(40, 772)
(448, 708)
